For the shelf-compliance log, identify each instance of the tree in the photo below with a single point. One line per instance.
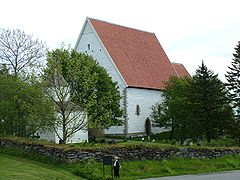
(233, 85)
(23, 107)
(233, 80)
(173, 112)
(195, 108)
(210, 104)
(20, 51)
(3, 69)
(87, 86)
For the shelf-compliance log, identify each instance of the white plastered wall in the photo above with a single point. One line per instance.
(145, 98)
(79, 136)
(99, 53)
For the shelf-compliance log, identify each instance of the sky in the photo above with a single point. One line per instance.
(189, 30)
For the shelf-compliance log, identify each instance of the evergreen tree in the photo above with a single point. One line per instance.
(173, 112)
(233, 79)
(210, 104)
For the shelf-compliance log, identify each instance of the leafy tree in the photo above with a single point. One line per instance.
(3, 69)
(233, 79)
(23, 107)
(210, 104)
(173, 112)
(20, 51)
(87, 86)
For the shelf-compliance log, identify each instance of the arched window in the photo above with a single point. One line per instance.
(137, 110)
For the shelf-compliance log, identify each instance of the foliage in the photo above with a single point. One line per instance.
(20, 52)
(23, 107)
(195, 108)
(86, 85)
(233, 84)
(233, 77)
(210, 105)
(3, 69)
(173, 112)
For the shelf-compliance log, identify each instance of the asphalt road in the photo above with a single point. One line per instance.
(228, 175)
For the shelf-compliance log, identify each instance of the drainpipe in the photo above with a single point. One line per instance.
(125, 113)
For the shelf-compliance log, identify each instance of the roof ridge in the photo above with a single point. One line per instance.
(176, 63)
(175, 69)
(121, 25)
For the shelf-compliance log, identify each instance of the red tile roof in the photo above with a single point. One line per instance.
(137, 54)
(181, 70)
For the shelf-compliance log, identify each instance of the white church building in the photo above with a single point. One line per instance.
(137, 61)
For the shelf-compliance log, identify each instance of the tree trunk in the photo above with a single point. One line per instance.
(64, 129)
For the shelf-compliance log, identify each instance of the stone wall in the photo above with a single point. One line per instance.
(125, 153)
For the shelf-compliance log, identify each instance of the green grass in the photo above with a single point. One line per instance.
(178, 166)
(23, 169)
(129, 170)
(12, 167)
(149, 168)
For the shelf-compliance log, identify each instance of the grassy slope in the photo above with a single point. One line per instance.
(18, 168)
(133, 170)
(23, 169)
(177, 166)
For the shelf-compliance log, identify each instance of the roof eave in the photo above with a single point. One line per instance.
(149, 88)
(81, 32)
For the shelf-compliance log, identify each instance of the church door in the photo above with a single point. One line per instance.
(148, 127)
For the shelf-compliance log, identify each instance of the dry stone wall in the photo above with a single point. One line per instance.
(126, 154)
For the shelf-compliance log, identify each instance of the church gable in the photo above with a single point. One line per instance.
(89, 43)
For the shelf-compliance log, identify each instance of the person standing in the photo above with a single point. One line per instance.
(116, 167)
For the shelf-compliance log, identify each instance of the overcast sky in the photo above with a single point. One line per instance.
(189, 30)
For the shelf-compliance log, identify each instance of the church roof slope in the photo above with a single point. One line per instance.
(181, 70)
(137, 54)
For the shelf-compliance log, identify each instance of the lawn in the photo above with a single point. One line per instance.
(177, 166)
(23, 169)
(152, 168)
(12, 167)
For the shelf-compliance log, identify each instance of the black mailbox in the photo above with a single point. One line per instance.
(107, 160)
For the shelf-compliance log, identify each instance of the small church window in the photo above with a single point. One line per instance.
(137, 110)
(89, 46)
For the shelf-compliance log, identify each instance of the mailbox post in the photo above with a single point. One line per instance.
(107, 160)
